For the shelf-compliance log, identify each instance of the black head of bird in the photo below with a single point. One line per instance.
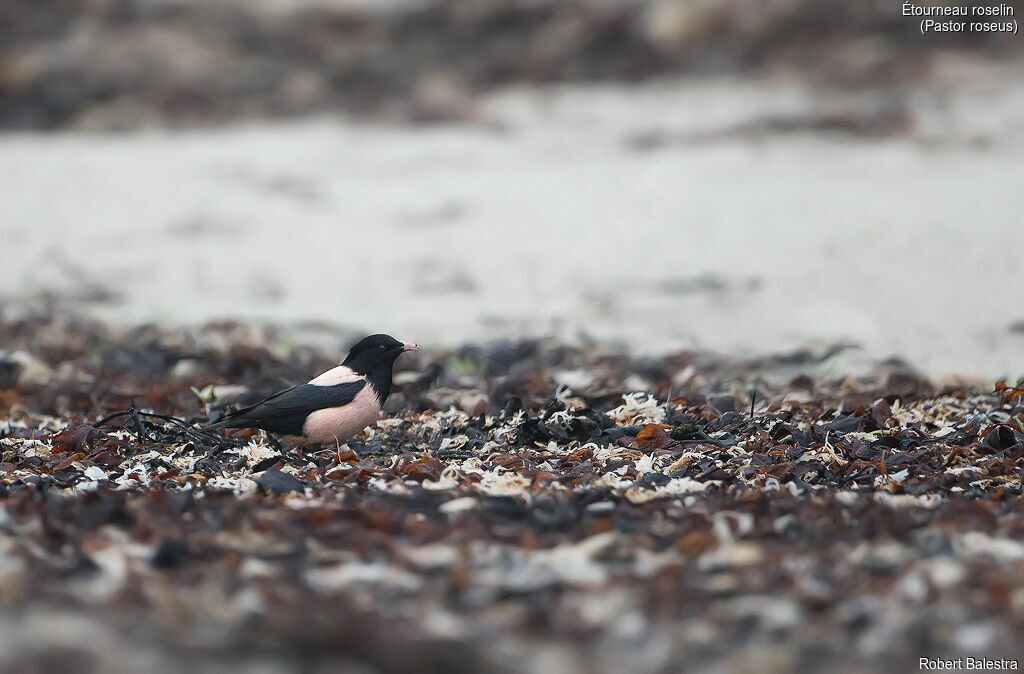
(375, 352)
(374, 357)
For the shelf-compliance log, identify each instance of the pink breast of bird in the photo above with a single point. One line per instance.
(338, 424)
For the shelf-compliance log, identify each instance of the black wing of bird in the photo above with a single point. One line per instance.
(285, 412)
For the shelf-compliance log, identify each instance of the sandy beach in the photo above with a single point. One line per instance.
(738, 216)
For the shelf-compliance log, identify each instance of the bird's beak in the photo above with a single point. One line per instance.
(410, 347)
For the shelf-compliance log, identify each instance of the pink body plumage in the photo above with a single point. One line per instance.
(338, 424)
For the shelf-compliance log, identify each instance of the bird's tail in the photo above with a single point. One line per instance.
(223, 423)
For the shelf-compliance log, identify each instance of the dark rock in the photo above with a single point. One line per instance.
(277, 482)
(654, 479)
(171, 553)
(10, 371)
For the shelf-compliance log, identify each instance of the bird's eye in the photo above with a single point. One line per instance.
(382, 347)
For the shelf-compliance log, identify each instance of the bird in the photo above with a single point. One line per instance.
(331, 407)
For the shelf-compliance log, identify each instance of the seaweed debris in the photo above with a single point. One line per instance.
(525, 506)
(116, 64)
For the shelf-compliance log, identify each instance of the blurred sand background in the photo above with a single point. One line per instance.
(664, 175)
